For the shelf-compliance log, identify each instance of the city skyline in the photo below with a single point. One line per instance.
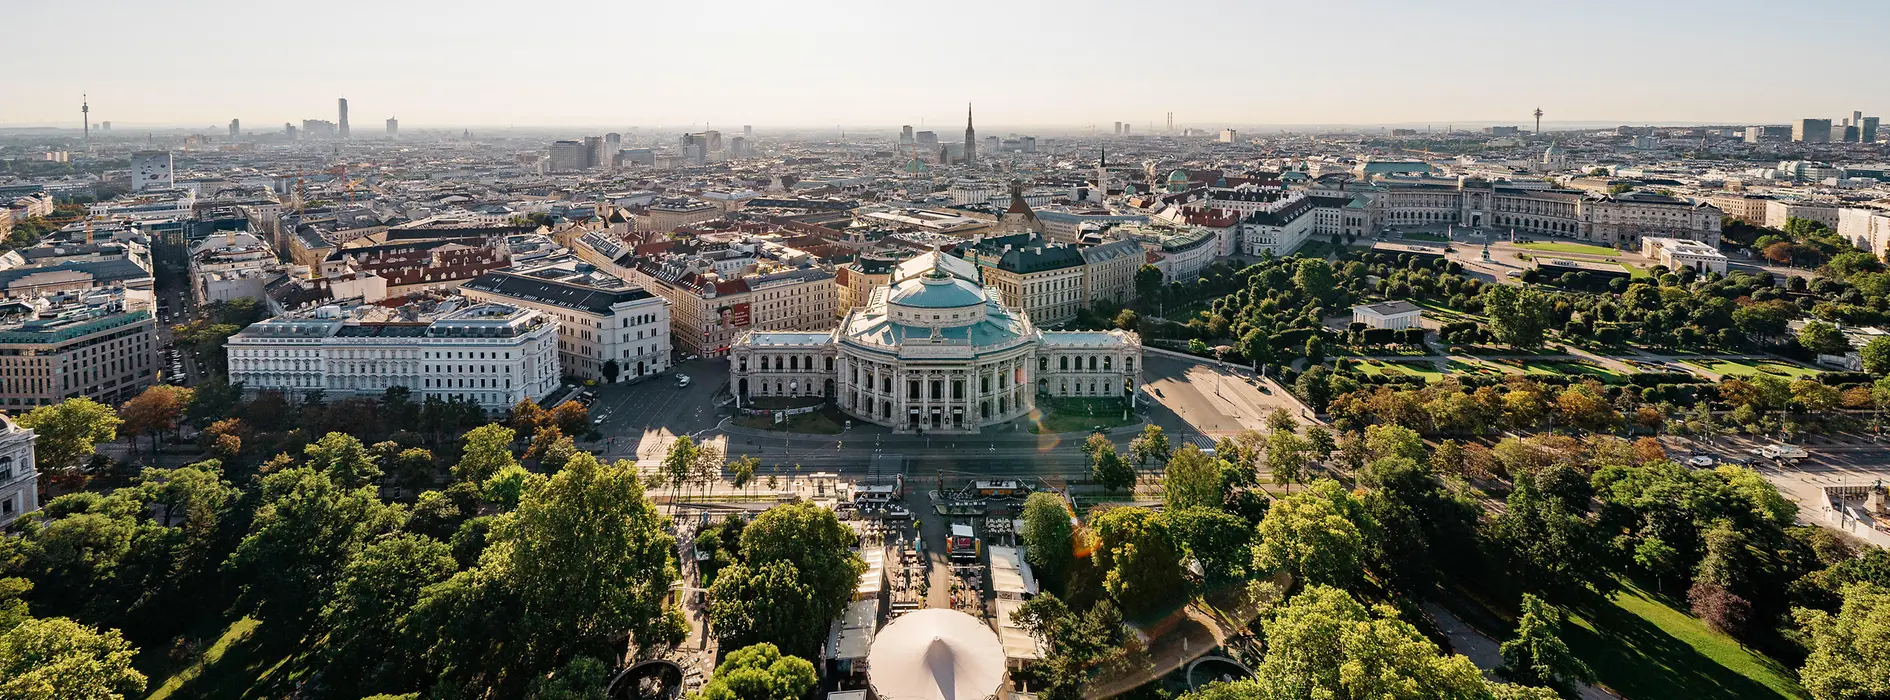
(807, 66)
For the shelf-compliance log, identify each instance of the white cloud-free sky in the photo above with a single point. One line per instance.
(873, 62)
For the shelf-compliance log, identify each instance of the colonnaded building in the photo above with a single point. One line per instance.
(935, 351)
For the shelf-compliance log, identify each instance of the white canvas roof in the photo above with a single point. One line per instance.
(936, 654)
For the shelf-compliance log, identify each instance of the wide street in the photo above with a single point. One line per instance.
(1192, 400)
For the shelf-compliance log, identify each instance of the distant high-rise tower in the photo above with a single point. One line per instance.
(342, 127)
(1538, 121)
(971, 138)
(1118, 128)
(748, 131)
(905, 134)
(393, 128)
(85, 112)
(105, 127)
(1171, 121)
(236, 127)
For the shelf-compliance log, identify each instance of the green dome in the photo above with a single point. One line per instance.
(937, 291)
(1178, 176)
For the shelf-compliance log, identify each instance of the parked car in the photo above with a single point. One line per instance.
(1700, 461)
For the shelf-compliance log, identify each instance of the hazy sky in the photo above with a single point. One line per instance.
(1024, 63)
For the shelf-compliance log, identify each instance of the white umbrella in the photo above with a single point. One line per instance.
(936, 654)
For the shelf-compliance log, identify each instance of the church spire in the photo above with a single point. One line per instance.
(971, 138)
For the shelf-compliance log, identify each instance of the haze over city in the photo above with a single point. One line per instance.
(1024, 64)
(821, 350)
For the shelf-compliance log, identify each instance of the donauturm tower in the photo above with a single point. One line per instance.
(85, 111)
(971, 138)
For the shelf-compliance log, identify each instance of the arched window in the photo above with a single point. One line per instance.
(1106, 364)
(1064, 362)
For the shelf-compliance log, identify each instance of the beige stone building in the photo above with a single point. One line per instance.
(1743, 207)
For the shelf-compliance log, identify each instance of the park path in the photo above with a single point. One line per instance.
(1486, 652)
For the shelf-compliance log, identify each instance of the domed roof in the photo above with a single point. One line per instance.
(1178, 176)
(1553, 150)
(936, 290)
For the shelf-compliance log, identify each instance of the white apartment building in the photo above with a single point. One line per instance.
(490, 354)
(1281, 228)
(229, 267)
(19, 474)
(1868, 229)
(598, 324)
(1677, 253)
(1780, 211)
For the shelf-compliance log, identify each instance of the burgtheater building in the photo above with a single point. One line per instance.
(934, 351)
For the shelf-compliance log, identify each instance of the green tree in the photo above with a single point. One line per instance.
(1314, 279)
(1519, 316)
(1106, 466)
(1288, 455)
(1876, 356)
(1850, 651)
(1192, 479)
(364, 606)
(510, 486)
(1538, 656)
(611, 369)
(413, 469)
(1048, 535)
(1823, 338)
(1141, 569)
(1310, 538)
(1150, 446)
(56, 658)
(1324, 644)
(742, 471)
(305, 531)
(760, 672)
(1148, 282)
(1394, 441)
(488, 450)
(796, 566)
(67, 432)
(1221, 542)
(1079, 645)
(590, 557)
(584, 678)
(344, 459)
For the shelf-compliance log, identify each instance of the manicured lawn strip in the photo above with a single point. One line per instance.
(1071, 414)
(1747, 368)
(1637, 271)
(1472, 367)
(1575, 248)
(1422, 369)
(1414, 236)
(1643, 648)
(1436, 310)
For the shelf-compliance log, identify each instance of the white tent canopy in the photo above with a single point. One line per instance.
(936, 654)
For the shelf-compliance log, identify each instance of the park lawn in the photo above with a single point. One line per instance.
(1644, 648)
(1397, 350)
(1566, 247)
(827, 421)
(1071, 414)
(1472, 367)
(1395, 369)
(1748, 368)
(1586, 369)
(1415, 236)
(1637, 272)
(241, 663)
(1436, 310)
